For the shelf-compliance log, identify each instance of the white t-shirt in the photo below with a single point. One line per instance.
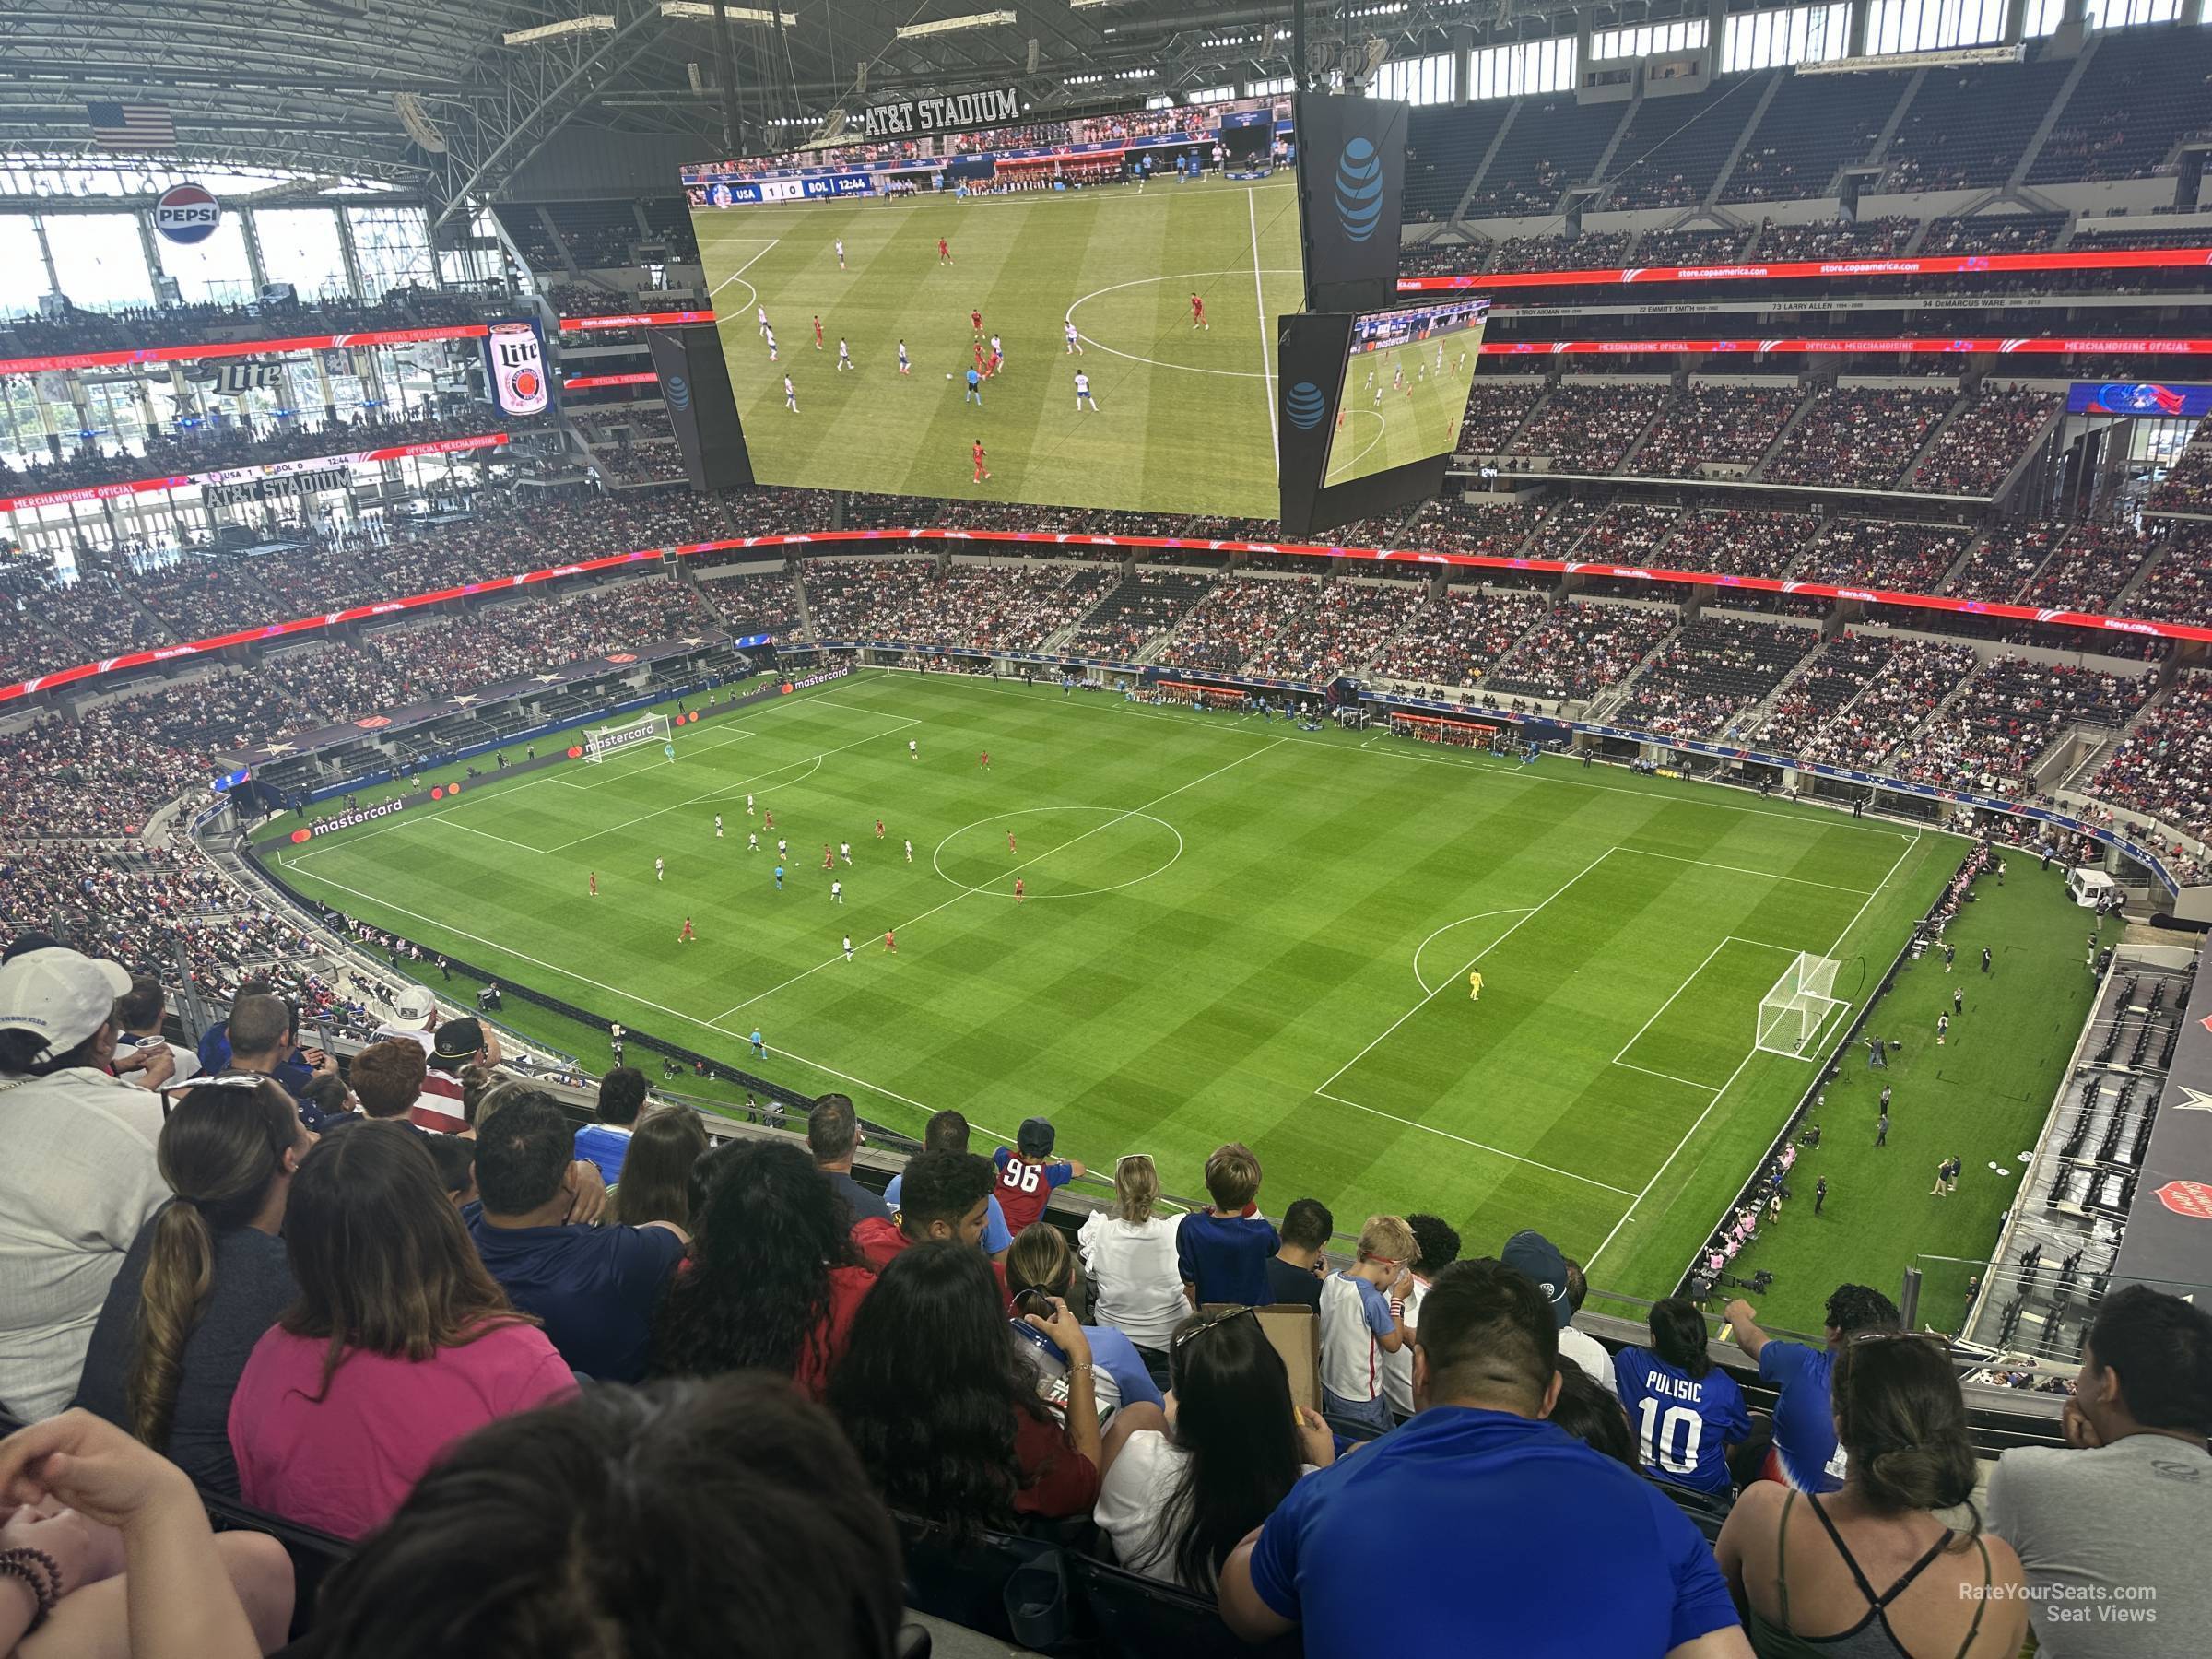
(78, 1182)
(1353, 1313)
(188, 1063)
(1132, 1502)
(1132, 1265)
(1589, 1353)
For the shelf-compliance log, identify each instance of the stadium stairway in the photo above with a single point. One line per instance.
(1965, 560)
(1759, 470)
(2034, 146)
(1959, 405)
(1743, 140)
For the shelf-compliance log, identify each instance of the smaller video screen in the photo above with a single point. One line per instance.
(1405, 384)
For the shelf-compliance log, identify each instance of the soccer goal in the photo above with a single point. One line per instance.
(614, 739)
(1792, 1015)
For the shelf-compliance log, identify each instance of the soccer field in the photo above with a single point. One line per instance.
(1233, 931)
(1185, 416)
(1381, 424)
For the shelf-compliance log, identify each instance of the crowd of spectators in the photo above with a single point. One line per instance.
(1909, 684)
(1444, 258)
(2005, 560)
(1884, 553)
(2093, 564)
(1579, 649)
(2007, 715)
(1592, 251)
(1340, 633)
(970, 606)
(2187, 486)
(1451, 643)
(1491, 527)
(1835, 239)
(1732, 425)
(2164, 769)
(1743, 541)
(1496, 406)
(1588, 424)
(2178, 587)
(1239, 616)
(1146, 605)
(1859, 436)
(1981, 445)
(131, 327)
(1630, 532)
(1710, 671)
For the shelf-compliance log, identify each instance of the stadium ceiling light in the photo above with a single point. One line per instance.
(914, 32)
(736, 14)
(591, 23)
(1086, 5)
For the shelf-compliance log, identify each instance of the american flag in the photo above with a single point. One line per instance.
(131, 126)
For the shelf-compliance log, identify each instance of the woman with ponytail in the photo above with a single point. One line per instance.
(1882, 1568)
(204, 1280)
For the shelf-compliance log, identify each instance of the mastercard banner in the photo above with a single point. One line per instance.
(516, 361)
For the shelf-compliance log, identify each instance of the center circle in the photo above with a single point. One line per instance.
(1093, 341)
(1108, 848)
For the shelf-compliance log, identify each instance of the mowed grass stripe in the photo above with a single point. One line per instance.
(1206, 1002)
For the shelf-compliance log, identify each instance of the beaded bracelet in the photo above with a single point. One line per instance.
(28, 1565)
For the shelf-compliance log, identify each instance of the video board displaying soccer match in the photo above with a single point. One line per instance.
(1406, 382)
(1077, 312)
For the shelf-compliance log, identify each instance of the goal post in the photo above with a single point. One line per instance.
(613, 739)
(1793, 1015)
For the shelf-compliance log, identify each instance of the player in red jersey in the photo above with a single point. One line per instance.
(976, 322)
(768, 818)
(829, 858)
(878, 829)
(984, 759)
(944, 252)
(890, 941)
(594, 884)
(1017, 890)
(818, 332)
(1199, 313)
(1010, 846)
(998, 361)
(687, 935)
(982, 472)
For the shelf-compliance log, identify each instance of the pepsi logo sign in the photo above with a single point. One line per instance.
(187, 213)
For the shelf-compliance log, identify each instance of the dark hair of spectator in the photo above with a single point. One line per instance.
(931, 1390)
(1234, 1419)
(1578, 1287)
(21, 1051)
(1857, 1308)
(387, 1076)
(1438, 1242)
(1678, 1335)
(758, 1289)
(142, 1004)
(941, 1186)
(383, 1261)
(1489, 1334)
(656, 1171)
(621, 1095)
(523, 1151)
(220, 1150)
(23, 944)
(259, 1024)
(1902, 1420)
(2161, 1348)
(455, 1155)
(476, 1081)
(327, 1092)
(1232, 1176)
(832, 1127)
(946, 1132)
(1593, 1416)
(589, 1528)
(1307, 1224)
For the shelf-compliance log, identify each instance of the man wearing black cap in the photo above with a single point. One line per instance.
(1028, 1175)
(456, 1043)
(832, 1135)
(1537, 1256)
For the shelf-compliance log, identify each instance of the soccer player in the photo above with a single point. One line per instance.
(687, 935)
(1684, 1412)
(748, 806)
(1199, 313)
(1011, 847)
(837, 892)
(890, 942)
(669, 749)
(779, 875)
(791, 395)
(944, 252)
(848, 939)
(904, 366)
(1474, 985)
(845, 354)
(914, 752)
(975, 391)
(817, 331)
(828, 863)
(844, 851)
(980, 363)
(998, 361)
(1083, 397)
(982, 472)
(878, 829)
(1075, 342)
(659, 869)
(752, 840)
(760, 1048)
(1018, 892)
(975, 323)
(718, 826)
(760, 314)
(984, 759)
(909, 852)
(998, 350)
(595, 879)
(772, 344)
(840, 253)
(768, 821)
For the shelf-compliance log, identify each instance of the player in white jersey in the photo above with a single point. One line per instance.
(904, 367)
(771, 342)
(718, 826)
(782, 850)
(761, 311)
(844, 851)
(791, 395)
(913, 749)
(840, 253)
(1075, 344)
(1083, 394)
(837, 892)
(848, 939)
(909, 852)
(659, 869)
(748, 806)
(752, 840)
(845, 354)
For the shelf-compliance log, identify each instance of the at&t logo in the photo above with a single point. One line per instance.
(1359, 189)
(1305, 405)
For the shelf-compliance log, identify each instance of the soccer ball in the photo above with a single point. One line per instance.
(948, 375)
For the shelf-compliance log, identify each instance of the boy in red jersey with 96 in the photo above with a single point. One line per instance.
(1027, 1177)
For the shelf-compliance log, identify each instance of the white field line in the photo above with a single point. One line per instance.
(713, 740)
(1478, 1145)
(1667, 1076)
(1740, 870)
(1726, 940)
(1016, 869)
(1533, 910)
(1511, 910)
(747, 265)
(1749, 1055)
(1259, 300)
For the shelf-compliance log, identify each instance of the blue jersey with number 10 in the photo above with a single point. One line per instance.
(1682, 1424)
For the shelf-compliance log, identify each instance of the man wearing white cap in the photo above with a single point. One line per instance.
(414, 1016)
(79, 1177)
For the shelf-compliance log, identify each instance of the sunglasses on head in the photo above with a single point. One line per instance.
(1205, 1322)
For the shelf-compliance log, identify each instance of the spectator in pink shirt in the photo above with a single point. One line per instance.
(399, 1345)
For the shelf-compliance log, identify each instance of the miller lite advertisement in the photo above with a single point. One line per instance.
(516, 360)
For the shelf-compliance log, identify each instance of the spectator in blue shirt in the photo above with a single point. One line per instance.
(593, 1287)
(1478, 1526)
(948, 1132)
(604, 1141)
(259, 1038)
(1040, 1260)
(1222, 1251)
(1685, 1412)
(1805, 1453)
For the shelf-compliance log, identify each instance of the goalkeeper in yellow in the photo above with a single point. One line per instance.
(1475, 984)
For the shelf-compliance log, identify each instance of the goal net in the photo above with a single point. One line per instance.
(1792, 1015)
(614, 739)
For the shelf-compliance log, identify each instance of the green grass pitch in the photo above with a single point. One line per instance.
(1185, 416)
(1237, 931)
